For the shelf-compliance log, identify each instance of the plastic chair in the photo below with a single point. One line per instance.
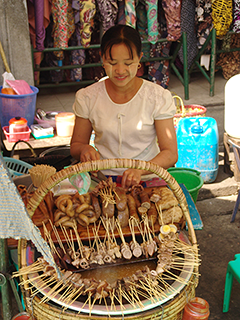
(233, 271)
(236, 150)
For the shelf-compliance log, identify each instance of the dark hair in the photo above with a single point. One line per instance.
(121, 34)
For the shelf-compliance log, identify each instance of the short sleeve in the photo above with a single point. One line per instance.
(81, 105)
(165, 107)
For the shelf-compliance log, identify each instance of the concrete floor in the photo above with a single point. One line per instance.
(219, 239)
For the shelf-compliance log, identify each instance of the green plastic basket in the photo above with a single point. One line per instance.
(190, 178)
(17, 167)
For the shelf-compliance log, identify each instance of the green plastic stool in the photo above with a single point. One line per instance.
(233, 271)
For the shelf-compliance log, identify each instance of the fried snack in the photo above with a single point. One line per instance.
(167, 199)
(40, 173)
(172, 215)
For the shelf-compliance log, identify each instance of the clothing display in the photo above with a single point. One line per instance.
(94, 103)
(81, 24)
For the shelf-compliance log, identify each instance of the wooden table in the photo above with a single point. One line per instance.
(38, 145)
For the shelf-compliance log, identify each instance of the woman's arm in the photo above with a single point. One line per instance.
(79, 146)
(167, 141)
(167, 156)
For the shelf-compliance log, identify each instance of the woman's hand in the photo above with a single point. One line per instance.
(80, 147)
(131, 177)
(88, 153)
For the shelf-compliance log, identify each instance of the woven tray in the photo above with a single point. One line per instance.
(171, 310)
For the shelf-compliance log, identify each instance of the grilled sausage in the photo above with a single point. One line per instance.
(120, 198)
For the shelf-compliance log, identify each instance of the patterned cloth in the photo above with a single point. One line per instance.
(130, 13)
(152, 19)
(92, 55)
(222, 15)
(141, 14)
(108, 13)
(121, 12)
(236, 16)
(14, 220)
(172, 9)
(158, 71)
(203, 20)
(87, 13)
(64, 26)
(77, 56)
(188, 26)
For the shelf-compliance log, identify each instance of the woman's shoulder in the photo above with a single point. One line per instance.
(153, 91)
(147, 84)
(91, 90)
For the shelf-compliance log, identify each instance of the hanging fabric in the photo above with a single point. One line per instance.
(50, 60)
(188, 26)
(130, 13)
(222, 16)
(87, 13)
(77, 56)
(230, 61)
(172, 11)
(64, 26)
(121, 12)
(107, 12)
(93, 55)
(158, 71)
(141, 23)
(39, 18)
(203, 20)
(152, 18)
(236, 16)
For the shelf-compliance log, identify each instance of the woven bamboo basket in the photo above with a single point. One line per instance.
(170, 310)
(191, 110)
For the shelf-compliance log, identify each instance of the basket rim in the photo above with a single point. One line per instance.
(199, 112)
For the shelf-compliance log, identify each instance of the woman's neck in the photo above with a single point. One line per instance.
(122, 95)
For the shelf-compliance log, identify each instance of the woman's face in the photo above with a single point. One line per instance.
(122, 68)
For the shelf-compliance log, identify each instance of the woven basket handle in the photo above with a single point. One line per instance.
(96, 165)
(182, 105)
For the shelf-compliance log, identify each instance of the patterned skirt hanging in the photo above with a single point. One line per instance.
(222, 16)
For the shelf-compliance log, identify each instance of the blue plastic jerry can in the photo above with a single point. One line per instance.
(198, 146)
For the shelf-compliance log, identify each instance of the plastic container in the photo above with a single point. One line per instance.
(65, 123)
(196, 309)
(18, 124)
(14, 137)
(40, 132)
(17, 167)
(232, 107)
(190, 178)
(22, 316)
(198, 144)
(12, 106)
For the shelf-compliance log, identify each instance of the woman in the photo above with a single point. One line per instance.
(131, 117)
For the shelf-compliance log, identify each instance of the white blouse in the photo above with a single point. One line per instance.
(125, 130)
